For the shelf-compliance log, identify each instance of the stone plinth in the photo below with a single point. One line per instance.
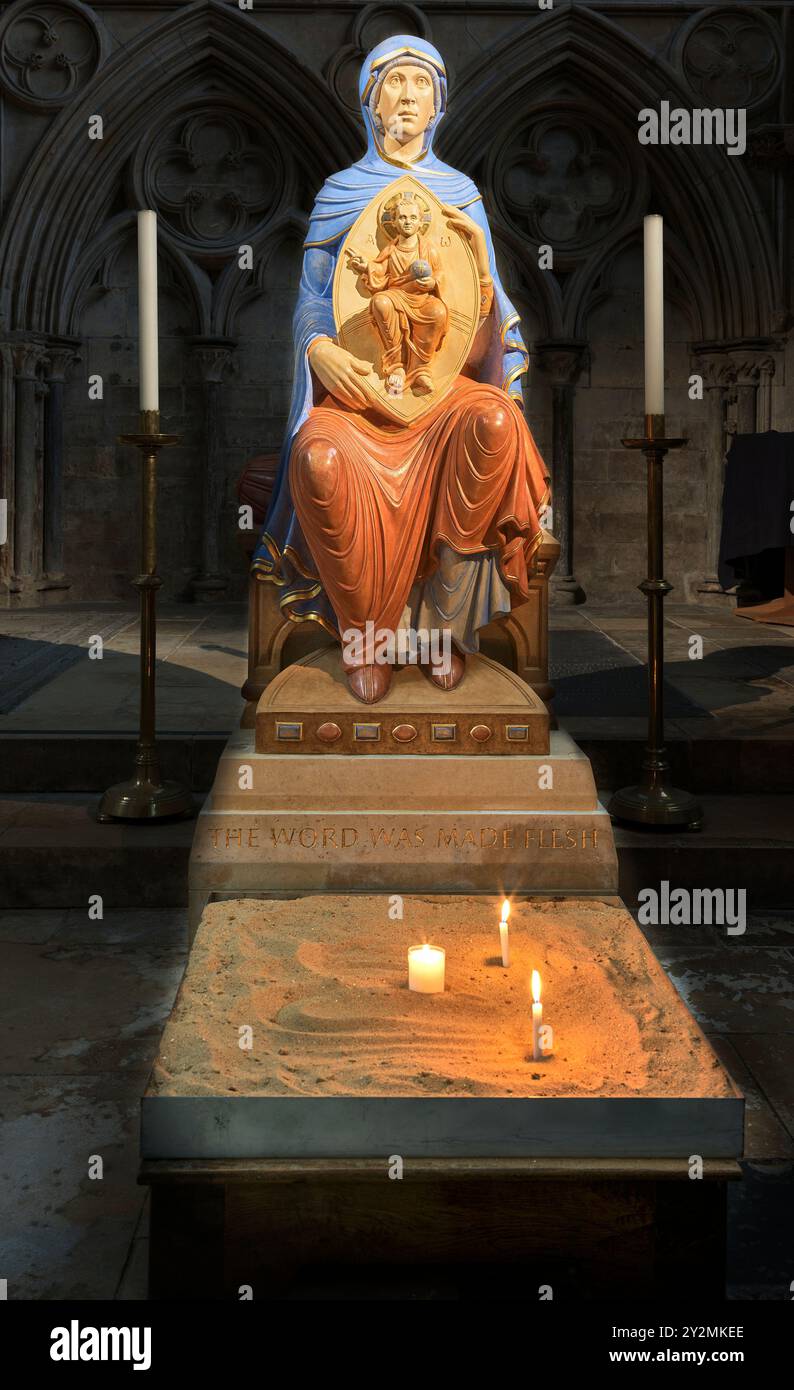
(384, 824)
(457, 816)
(345, 1061)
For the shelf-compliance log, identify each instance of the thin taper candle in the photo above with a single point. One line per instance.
(504, 934)
(537, 1018)
(653, 275)
(148, 364)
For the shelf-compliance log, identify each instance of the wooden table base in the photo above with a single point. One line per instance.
(477, 1228)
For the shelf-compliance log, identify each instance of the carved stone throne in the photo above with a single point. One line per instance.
(519, 640)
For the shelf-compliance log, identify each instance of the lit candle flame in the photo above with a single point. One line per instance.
(535, 987)
(505, 910)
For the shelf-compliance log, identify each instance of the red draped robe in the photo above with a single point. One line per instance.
(377, 500)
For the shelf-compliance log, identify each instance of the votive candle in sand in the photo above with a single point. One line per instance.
(426, 969)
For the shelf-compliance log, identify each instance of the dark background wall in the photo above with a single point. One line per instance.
(226, 122)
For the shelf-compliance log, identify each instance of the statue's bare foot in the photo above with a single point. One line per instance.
(369, 683)
(395, 382)
(447, 674)
(423, 384)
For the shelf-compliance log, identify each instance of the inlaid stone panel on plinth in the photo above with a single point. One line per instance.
(308, 708)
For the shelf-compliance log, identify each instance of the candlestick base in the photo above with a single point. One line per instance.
(143, 800)
(659, 805)
(153, 440)
(145, 796)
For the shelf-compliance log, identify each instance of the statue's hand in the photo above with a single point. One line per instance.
(355, 260)
(473, 233)
(339, 372)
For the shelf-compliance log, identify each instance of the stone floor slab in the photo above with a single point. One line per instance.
(769, 1059)
(112, 1025)
(65, 1235)
(749, 993)
(766, 1138)
(152, 927)
(31, 925)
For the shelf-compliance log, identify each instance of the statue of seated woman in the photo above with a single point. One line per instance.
(429, 521)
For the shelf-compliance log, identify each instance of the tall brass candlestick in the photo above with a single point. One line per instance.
(146, 796)
(655, 801)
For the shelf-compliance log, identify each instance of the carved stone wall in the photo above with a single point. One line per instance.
(227, 120)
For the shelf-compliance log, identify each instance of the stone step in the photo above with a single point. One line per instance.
(374, 782)
(91, 762)
(54, 854)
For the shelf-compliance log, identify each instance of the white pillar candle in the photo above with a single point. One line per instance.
(426, 969)
(653, 263)
(148, 370)
(504, 933)
(537, 1017)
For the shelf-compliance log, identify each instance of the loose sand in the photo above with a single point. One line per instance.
(322, 982)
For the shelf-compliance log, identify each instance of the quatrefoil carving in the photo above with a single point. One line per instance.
(213, 178)
(561, 182)
(731, 57)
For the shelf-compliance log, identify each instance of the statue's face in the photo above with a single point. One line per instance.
(408, 218)
(406, 104)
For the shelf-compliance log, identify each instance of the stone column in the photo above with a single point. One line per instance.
(28, 356)
(763, 406)
(737, 381)
(213, 359)
(561, 361)
(61, 352)
(745, 397)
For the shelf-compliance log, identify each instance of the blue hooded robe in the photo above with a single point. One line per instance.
(465, 593)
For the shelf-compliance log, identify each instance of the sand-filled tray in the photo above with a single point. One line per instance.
(343, 1059)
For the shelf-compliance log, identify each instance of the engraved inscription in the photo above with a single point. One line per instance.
(404, 837)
